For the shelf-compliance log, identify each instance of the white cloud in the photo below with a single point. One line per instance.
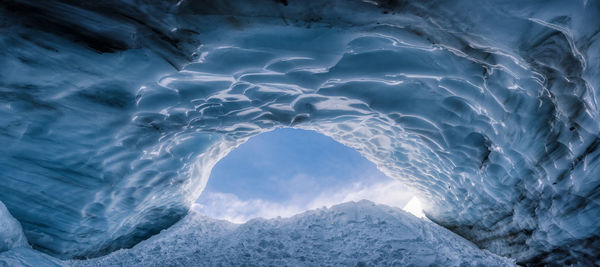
(230, 207)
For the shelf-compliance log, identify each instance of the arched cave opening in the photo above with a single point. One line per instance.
(287, 171)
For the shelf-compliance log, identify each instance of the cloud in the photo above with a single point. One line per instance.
(230, 207)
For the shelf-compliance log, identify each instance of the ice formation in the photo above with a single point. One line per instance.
(28, 257)
(114, 112)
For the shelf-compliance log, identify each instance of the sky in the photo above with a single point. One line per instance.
(287, 171)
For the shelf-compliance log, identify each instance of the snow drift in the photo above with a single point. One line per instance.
(349, 234)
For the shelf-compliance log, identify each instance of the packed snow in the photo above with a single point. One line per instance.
(11, 234)
(350, 234)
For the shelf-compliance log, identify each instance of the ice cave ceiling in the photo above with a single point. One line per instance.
(112, 113)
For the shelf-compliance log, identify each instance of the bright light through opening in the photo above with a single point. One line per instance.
(288, 171)
(414, 207)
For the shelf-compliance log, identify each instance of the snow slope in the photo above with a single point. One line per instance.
(11, 233)
(350, 234)
(14, 249)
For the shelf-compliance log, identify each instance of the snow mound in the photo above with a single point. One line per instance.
(11, 233)
(349, 234)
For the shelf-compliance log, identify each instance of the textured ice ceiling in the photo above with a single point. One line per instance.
(113, 113)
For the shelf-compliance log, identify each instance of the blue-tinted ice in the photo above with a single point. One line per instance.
(112, 114)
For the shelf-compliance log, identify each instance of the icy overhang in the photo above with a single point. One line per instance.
(113, 113)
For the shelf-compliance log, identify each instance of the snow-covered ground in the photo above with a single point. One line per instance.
(350, 234)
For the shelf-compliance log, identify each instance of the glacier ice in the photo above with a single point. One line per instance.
(28, 257)
(114, 112)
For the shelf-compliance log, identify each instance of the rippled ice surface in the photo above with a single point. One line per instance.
(113, 113)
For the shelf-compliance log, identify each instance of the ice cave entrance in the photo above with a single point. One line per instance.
(287, 171)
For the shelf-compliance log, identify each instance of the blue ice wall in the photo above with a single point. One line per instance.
(113, 113)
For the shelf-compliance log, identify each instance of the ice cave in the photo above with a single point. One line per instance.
(113, 113)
